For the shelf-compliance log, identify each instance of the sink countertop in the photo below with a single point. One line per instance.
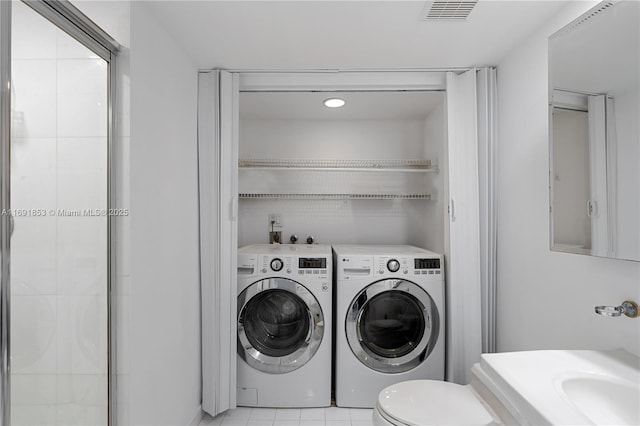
(533, 382)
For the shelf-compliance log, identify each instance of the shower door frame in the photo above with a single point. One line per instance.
(65, 16)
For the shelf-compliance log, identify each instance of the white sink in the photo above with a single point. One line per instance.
(604, 400)
(565, 387)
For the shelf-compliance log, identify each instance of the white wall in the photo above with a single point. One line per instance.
(546, 299)
(164, 321)
(158, 300)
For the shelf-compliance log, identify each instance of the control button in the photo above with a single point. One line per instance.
(437, 272)
(430, 272)
(381, 271)
(416, 272)
(308, 271)
(301, 272)
(288, 271)
(264, 270)
(323, 271)
(325, 287)
(315, 271)
(276, 264)
(404, 271)
(393, 265)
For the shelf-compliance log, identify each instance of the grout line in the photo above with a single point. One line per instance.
(246, 418)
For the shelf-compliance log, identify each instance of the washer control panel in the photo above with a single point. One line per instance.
(285, 265)
(276, 265)
(310, 266)
(293, 266)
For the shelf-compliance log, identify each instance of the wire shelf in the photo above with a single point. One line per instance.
(334, 196)
(316, 164)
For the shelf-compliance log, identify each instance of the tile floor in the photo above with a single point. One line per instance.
(330, 416)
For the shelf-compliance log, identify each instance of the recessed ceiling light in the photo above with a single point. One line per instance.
(334, 102)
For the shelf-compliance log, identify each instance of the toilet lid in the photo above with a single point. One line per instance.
(429, 402)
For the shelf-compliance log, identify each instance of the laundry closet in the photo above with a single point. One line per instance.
(396, 165)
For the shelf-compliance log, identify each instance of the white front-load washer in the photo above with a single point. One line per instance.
(390, 319)
(284, 325)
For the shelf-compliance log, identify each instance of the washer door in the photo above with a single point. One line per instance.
(392, 325)
(280, 325)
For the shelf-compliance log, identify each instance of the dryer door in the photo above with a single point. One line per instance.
(392, 325)
(280, 325)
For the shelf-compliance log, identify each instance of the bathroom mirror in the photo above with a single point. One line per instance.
(594, 149)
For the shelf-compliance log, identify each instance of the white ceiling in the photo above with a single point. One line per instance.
(347, 34)
(359, 105)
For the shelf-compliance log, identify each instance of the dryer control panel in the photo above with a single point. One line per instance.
(358, 267)
(407, 266)
(392, 265)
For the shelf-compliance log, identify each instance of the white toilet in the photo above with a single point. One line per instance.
(430, 402)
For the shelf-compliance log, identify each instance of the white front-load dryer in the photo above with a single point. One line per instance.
(390, 319)
(284, 325)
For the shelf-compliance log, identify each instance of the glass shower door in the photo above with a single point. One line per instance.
(59, 246)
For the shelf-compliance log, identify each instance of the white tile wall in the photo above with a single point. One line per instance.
(33, 255)
(81, 350)
(34, 96)
(34, 337)
(330, 416)
(59, 269)
(33, 399)
(27, 27)
(67, 48)
(80, 399)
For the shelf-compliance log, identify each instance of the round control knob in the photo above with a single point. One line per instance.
(276, 264)
(393, 265)
(293, 238)
(309, 240)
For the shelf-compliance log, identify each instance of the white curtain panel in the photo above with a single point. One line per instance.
(612, 179)
(598, 206)
(218, 183)
(464, 317)
(487, 174)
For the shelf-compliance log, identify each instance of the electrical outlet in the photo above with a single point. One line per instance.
(275, 220)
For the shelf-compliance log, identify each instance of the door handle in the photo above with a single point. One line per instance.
(234, 208)
(452, 209)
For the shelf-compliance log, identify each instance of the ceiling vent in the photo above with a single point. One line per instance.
(447, 10)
